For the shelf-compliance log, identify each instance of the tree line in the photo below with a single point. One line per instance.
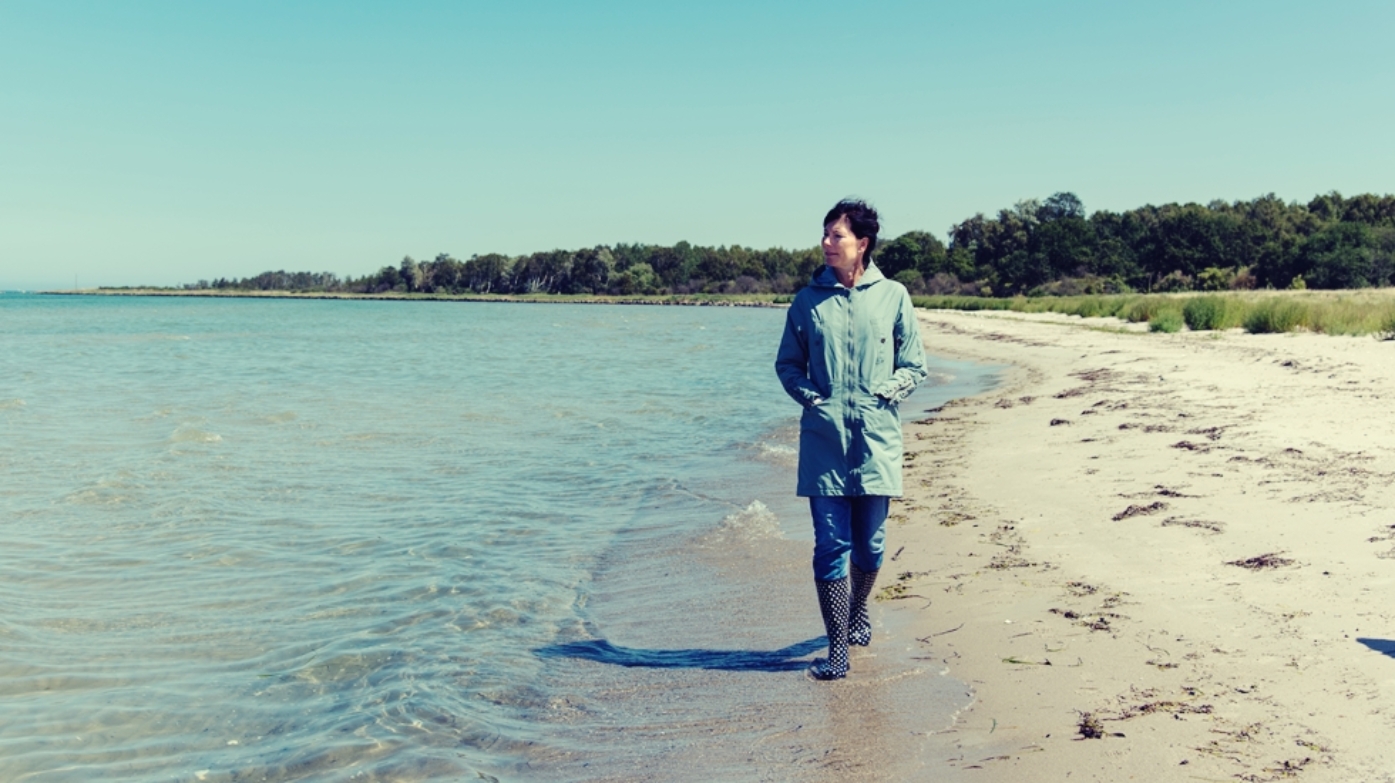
(1035, 247)
(620, 269)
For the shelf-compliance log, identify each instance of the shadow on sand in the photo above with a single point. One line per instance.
(1382, 646)
(602, 651)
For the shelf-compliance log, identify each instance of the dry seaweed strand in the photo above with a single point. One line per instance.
(1135, 510)
(1261, 562)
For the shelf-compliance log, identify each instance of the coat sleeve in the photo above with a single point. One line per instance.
(792, 362)
(910, 355)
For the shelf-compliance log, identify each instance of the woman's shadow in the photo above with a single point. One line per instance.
(601, 651)
(1383, 646)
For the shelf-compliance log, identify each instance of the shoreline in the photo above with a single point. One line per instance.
(1155, 556)
(680, 300)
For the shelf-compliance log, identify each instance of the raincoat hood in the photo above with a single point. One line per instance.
(825, 277)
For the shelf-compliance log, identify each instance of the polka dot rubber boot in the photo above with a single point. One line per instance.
(833, 603)
(859, 626)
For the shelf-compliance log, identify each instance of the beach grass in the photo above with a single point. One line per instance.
(1166, 321)
(1349, 312)
(1211, 313)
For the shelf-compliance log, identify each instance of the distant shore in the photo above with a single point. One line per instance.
(690, 300)
(1163, 557)
(1367, 311)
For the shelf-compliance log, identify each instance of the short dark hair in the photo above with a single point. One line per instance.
(863, 220)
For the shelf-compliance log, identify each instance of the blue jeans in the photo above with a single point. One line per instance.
(848, 526)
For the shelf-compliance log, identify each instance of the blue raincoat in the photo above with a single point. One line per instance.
(850, 356)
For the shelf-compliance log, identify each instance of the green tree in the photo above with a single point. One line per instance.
(591, 270)
(627, 255)
(912, 280)
(489, 273)
(1000, 246)
(387, 279)
(1343, 255)
(1064, 247)
(1061, 206)
(637, 279)
(1329, 207)
(444, 274)
(542, 273)
(1370, 209)
(411, 274)
(1186, 239)
(1116, 237)
(917, 251)
(673, 265)
(720, 264)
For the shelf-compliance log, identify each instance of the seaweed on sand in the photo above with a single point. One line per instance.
(1261, 562)
(1136, 510)
(1091, 727)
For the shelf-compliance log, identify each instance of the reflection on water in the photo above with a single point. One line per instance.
(249, 540)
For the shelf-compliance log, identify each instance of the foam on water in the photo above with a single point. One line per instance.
(742, 527)
(190, 433)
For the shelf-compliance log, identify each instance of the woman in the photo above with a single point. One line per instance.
(850, 353)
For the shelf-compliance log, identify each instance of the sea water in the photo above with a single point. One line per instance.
(319, 540)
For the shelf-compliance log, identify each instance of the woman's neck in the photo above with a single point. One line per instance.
(849, 277)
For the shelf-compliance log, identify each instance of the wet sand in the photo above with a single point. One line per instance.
(1156, 557)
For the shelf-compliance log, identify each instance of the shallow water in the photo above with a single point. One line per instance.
(351, 540)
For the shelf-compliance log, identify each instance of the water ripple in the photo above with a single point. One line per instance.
(274, 541)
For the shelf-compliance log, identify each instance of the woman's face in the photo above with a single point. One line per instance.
(842, 250)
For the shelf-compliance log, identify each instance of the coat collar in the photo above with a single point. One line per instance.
(825, 278)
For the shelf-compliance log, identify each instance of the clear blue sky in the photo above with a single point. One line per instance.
(164, 142)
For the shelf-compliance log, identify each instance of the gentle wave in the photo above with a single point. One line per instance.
(752, 523)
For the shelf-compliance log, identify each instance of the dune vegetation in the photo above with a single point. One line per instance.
(1348, 312)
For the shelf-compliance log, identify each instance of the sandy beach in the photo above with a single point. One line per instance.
(1156, 556)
